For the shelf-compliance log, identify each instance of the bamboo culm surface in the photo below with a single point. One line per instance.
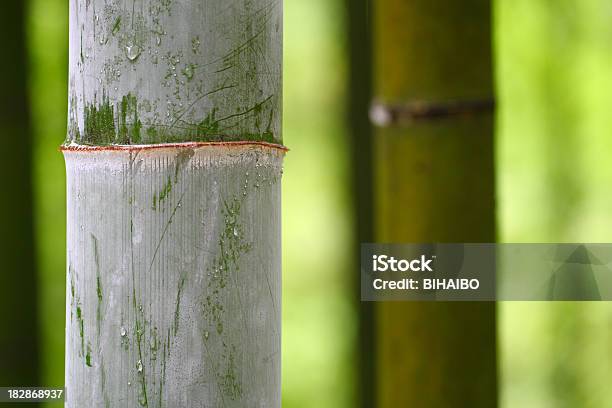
(174, 161)
(434, 182)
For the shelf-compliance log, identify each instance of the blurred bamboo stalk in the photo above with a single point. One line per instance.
(434, 181)
(18, 288)
(359, 95)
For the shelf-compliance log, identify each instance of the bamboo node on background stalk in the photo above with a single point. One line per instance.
(383, 115)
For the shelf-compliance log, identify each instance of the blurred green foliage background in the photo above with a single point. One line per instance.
(48, 50)
(554, 73)
(554, 76)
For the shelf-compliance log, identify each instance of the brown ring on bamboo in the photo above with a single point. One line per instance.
(185, 145)
(384, 115)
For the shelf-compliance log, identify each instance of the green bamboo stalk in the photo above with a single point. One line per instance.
(435, 183)
(173, 159)
(18, 298)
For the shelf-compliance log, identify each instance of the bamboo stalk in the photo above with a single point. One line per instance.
(173, 165)
(359, 96)
(435, 183)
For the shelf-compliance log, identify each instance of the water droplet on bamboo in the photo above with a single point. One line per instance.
(132, 51)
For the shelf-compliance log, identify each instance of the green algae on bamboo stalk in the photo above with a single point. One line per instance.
(107, 124)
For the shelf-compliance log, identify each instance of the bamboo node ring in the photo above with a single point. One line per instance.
(386, 115)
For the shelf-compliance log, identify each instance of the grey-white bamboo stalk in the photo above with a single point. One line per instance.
(174, 160)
